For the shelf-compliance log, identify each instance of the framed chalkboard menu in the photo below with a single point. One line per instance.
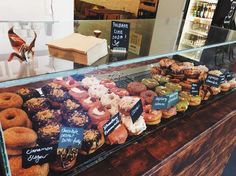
(119, 36)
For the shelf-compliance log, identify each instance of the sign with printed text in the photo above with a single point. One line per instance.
(71, 137)
(119, 36)
(165, 102)
(111, 124)
(213, 80)
(228, 75)
(136, 111)
(135, 43)
(195, 88)
(38, 155)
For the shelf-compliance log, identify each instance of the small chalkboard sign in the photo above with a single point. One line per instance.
(160, 102)
(222, 78)
(38, 155)
(195, 88)
(165, 102)
(228, 75)
(119, 36)
(70, 137)
(136, 111)
(111, 124)
(213, 80)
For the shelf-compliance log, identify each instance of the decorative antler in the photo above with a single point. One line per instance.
(22, 50)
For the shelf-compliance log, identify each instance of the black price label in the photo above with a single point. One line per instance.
(213, 80)
(222, 78)
(165, 102)
(119, 36)
(111, 124)
(136, 111)
(71, 137)
(38, 155)
(195, 89)
(228, 76)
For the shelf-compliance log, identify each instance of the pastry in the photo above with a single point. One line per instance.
(166, 62)
(182, 106)
(49, 134)
(119, 91)
(77, 119)
(28, 93)
(34, 105)
(126, 104)
(135, 88)
(192, 73)
(156, 70)
(136, 128)
(186, 86)
(161, 79)
(167, 113)
(195, 100)
(215, 90)
(78, 93)
(50, 86)
(173, 86)
(45, 117)
(232, 83)
(108, 83)
(57, 96)
(92, 141)
(70, 106)
(90, 81)
(90, 102)
(162, 91)
(98, 114)
(205, 92)
(35, 170)
(150, 83)
(183, 95)
(97, 91)
(13, 117)
(148, 96)
(151, 117)
(117, 136)
(110, 100)
(18, 138)
(68, 82)
(65, 159)
(177, 67)
(215, 72)
(10, 100)
(225, 86)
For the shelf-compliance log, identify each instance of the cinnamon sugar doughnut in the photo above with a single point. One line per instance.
(10, 100)
(135, 88)
(36, 170)
(13, 117)
(17, 138)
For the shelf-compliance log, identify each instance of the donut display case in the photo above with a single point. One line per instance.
(156, 113)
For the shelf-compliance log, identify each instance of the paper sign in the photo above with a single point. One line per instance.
(165, 102)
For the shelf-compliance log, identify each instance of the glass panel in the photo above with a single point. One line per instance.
(159, 38)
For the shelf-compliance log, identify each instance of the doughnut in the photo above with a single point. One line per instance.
(150, 83)
(98, 114)
(126, 104)
(35, 105)
(65, 159)
(215, 72)
(161, 79)
(68, 82)
(108, 83)
(77, 119)
(57, 96)
(161, 90)
(177, 67)
(178, 76)
(192, 73)
(225, 87)
(28, 93)
(173, 86)
(90, 81)
(92, 141)
(216, 90)
(183, 95)
(35, 170)
(135, 88)
(202, 68)
(151, 117)
(78, 93)
(167, 113)
(90, 102)
(186, 86)
(136, 128)
(10, 100)
(70, 106)
(205, 92)
(46, 89)
(13, 117)
(166, 62)
(117, 136)
(195, 100)
(110, 100)
(155, 70)
(148, 96)
(182, 106)
(18, 138)
(119, 91)
(97, 91)
(232, 83)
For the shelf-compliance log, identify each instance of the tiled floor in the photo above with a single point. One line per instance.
(230, 169)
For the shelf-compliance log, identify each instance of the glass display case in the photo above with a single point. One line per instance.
(125, 97)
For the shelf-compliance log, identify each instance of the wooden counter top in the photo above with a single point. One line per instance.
(198, 144)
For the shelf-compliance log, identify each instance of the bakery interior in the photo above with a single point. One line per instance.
(122, 87)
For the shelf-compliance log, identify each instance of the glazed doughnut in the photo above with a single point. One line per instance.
(18, 170)
(78, 93)
(108, 83)
(148, 96)
(10, 100)
(225, 87)
(97, 91)
(120, 91)
(89, 102)
(232, 83)
(13, 117)
(151, 117)
(195, 100)
(216, 90)
(18, 138)
(167, 113)
(166, 62)
(150, 83)
(135, 88)
(68, 82)
(186, 86)
(98, 114)
(90, 81)
(126, 104)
